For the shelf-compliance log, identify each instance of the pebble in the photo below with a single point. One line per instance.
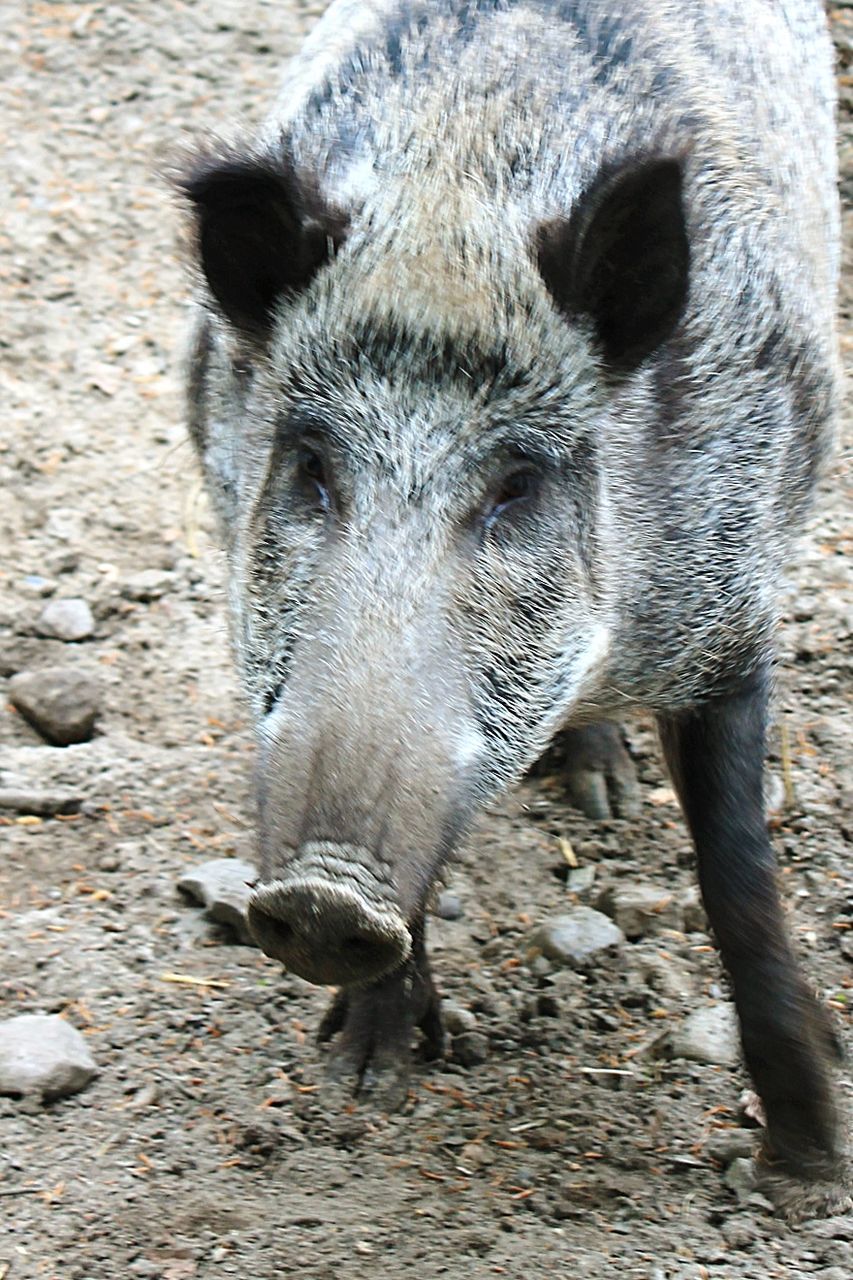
(449, 906)
(641, 908)
(708, 1035)
(740, 1231)
(693, 917)
(457, 1019)
(580, 879)
(471, 1048)
(839, 1226)
(740, 1177)
(775, 798)
(577, 937)
(43, 1054)
(222, 887)
(148, 585)
(663, 972)
(727, 1145)
(61, 703)
(45, 804)
(69, 619)
(67, 561)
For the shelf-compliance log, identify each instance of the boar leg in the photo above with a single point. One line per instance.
(593, 763)
(373, 1026)
(716, 756)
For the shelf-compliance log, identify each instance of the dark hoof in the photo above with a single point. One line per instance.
(798, 1199)
(598, 774)
(790, 1047)
(371, 1031)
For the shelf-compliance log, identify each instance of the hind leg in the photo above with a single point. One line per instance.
(598, 773)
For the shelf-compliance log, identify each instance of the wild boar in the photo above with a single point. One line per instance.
(513, 371)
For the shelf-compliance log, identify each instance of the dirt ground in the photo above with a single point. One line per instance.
(203, 1148)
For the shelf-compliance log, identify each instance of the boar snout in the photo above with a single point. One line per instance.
(329, 920)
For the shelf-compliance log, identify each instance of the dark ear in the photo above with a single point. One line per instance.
(622, 259)
(260, 234)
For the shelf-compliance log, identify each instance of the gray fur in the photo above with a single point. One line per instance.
(401, 667)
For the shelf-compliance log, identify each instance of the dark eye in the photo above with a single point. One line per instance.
(312, 470)
(515, 487)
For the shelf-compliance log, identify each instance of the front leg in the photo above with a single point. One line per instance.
(716, 756)
(372, 1029)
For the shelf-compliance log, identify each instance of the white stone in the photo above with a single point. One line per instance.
(70, 619)
(577, 937)
(222, 886)
(642, 908)
(148, 585)
(43, 1054)
(708, 1035)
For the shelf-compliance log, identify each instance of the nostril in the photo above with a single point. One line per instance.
(328, 933)
(357, 945)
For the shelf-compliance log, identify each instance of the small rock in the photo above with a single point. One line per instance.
(69, 619)
(474, 1155)
(693, 917)
(708, 1035)
(222, 887)
(45, 804)
(456, 1019)
(43, 1054)
(146, 1096)
(751, 1110)
(35, 585)
(576, 938)
(148, 585)
(449, 906)
(774, 794)
(580, 879)
(639, 909)
(666, 974)
(741, 1177)
(727, 1145)
(64, 561)
(61, 703)
(740, 1231)
(470, 1048)
(840, 1225)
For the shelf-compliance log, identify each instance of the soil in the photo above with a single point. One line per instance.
(204, 1148)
